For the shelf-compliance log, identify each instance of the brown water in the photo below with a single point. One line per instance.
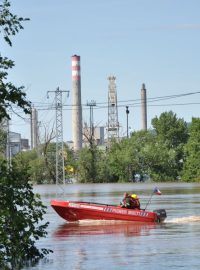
(106, 245)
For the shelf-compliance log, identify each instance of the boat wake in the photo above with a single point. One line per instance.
(184, 220)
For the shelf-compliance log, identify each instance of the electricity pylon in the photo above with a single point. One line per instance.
(60, 170)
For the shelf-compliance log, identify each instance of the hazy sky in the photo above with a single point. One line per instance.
(156, 42)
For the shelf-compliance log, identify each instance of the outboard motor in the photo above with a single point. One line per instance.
(161, 215)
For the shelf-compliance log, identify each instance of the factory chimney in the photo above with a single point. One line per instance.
(144, 107)
(76, 103)
(34, 128)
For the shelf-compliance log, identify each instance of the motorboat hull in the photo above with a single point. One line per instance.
(76, 211)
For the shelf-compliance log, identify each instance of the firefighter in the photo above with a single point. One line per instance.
(130, 201)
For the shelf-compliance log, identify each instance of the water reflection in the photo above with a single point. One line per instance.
(102, 228)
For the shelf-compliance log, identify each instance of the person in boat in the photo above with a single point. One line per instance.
(130, 201)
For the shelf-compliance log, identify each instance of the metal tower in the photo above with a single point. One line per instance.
(91, 105)
(113, 124)
(60, 170)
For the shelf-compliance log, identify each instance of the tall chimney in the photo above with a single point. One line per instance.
(76, 103)
(144, 107)
(34, 128)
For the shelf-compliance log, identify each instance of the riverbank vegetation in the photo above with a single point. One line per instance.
(167, 152)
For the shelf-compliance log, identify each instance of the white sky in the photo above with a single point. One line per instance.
(155, 42)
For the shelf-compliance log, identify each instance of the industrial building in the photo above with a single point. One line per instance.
(98, 136)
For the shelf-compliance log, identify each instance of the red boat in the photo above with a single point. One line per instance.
(76, 211)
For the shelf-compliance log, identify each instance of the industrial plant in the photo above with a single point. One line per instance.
(102, 135)
(82, 134)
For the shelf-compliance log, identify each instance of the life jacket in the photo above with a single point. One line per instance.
(131, 202)
(134, 203)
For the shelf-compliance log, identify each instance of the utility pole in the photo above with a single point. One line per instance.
(91, 105)
(60, 170)
(127, 128)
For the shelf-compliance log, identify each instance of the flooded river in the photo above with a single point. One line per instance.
(106, 245)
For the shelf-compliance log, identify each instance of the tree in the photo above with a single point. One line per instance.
(191, 165)
(149, 157)
(2, 142)
(35, 164)
(170, 130)
(142, 154)
(87, 165)
(21, 210)
(10, 94)
(119, 161)
(88, 158)
(21, 213)
(41, 162)
(173, 133)
(158, 162)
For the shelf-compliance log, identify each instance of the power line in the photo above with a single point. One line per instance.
(131, 102)
(46, 107)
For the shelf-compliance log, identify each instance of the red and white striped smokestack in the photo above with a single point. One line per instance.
(76, 103)
(76, 68)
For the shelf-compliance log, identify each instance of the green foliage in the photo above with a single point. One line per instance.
(21, 211)
(35, 164)
(173, 133)
(159, 162)
(119, 160)
(47, 154)
(2, 142)
(170, 130)
(104, 174)
(21, 215)
(149, 153)
(158, 154)
(191, 168)
(87, 171)
(10, 24)
(41, 163)
(155, 154)
(93, 166)
(142, 154)
(10, 94)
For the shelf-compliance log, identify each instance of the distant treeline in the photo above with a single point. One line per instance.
(168, 152)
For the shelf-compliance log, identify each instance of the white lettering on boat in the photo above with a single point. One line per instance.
(138, 213)
(126, 212)
(76, 205)
(114, 210)
(111, 209)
